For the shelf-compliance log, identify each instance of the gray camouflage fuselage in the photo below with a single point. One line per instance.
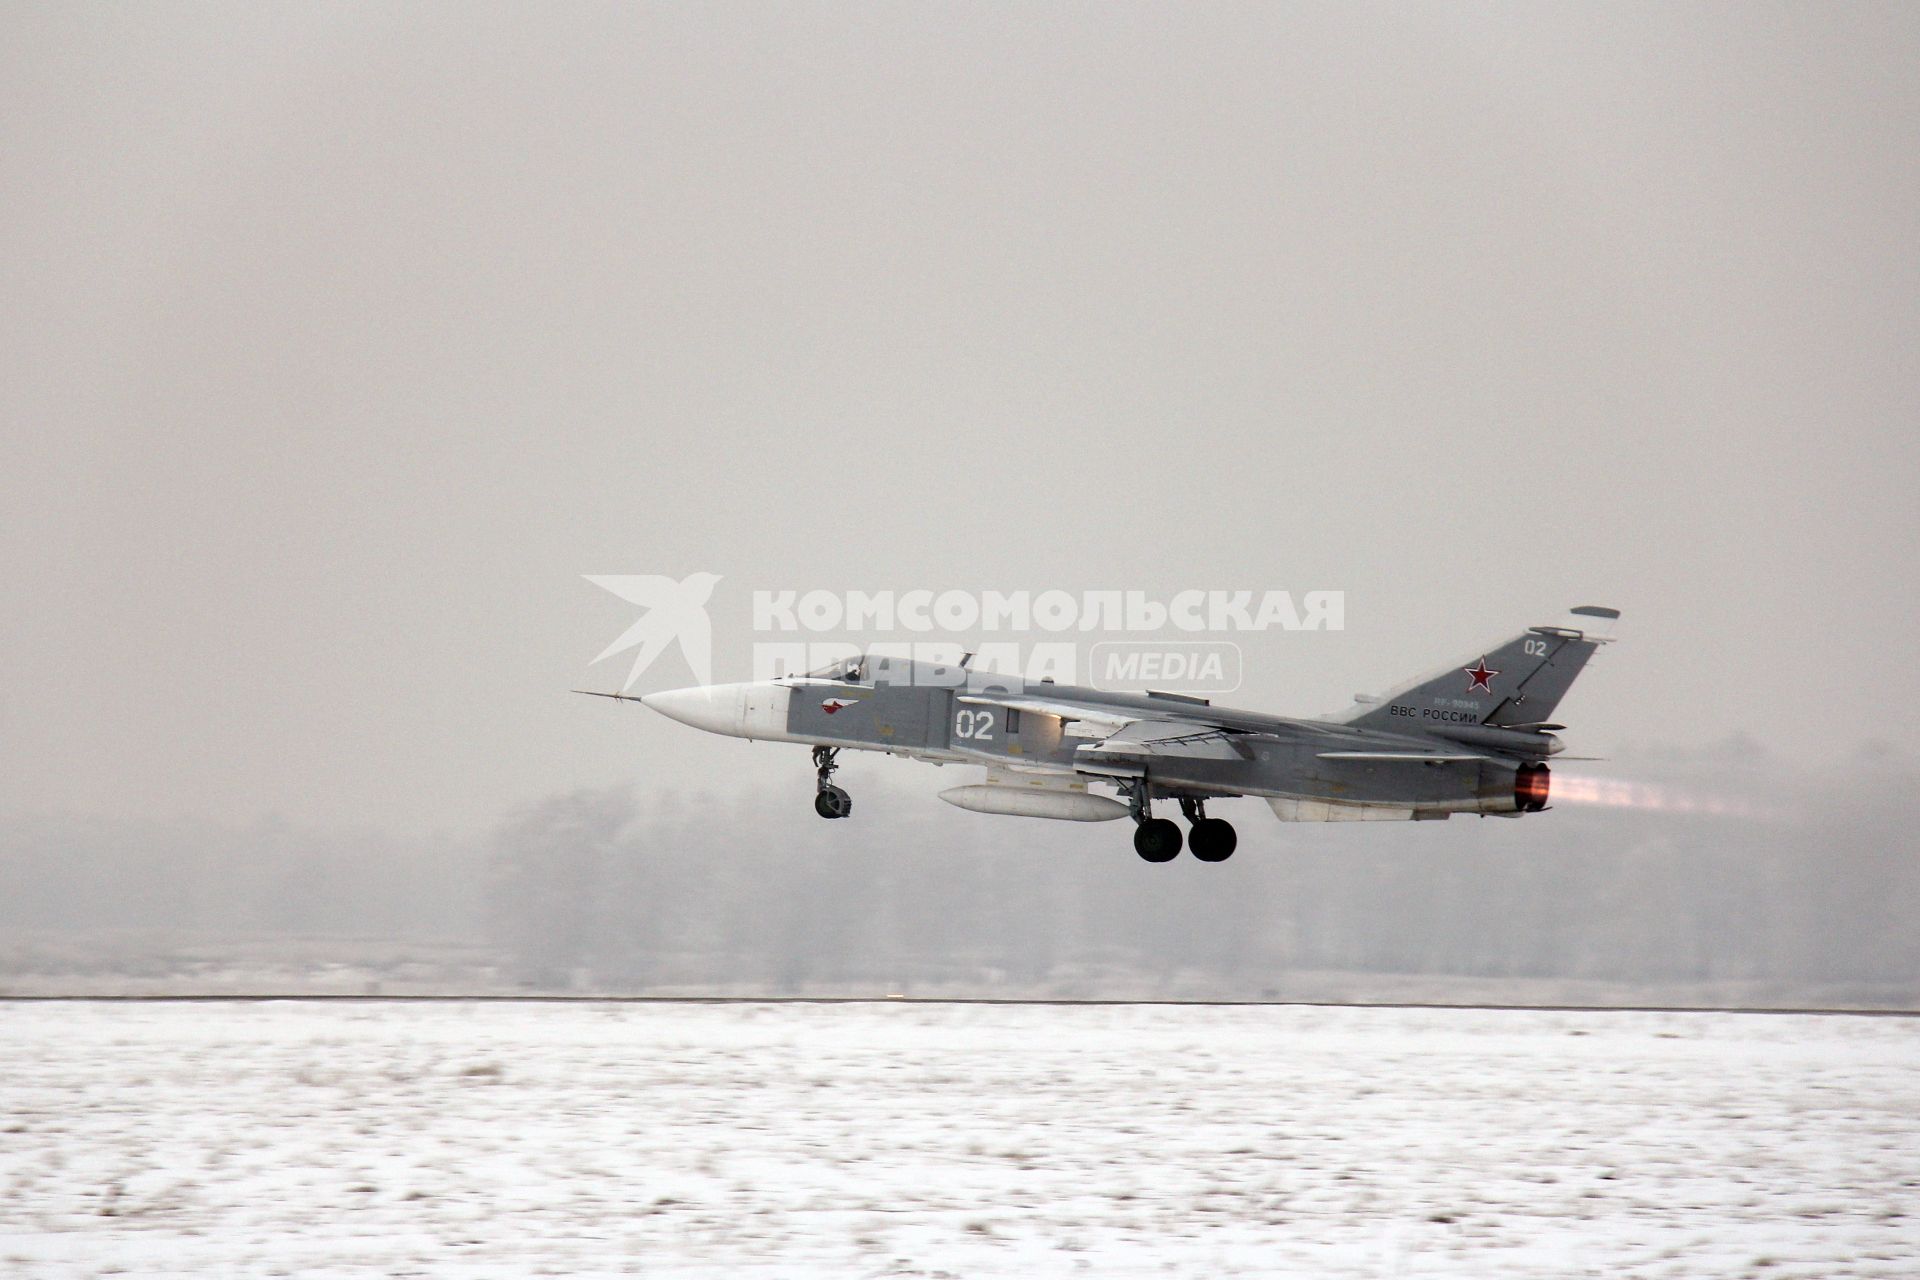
(1470, 739)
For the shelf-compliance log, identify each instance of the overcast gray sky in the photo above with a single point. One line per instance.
(340, 341)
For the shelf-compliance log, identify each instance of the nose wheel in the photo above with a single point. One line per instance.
(829, 801)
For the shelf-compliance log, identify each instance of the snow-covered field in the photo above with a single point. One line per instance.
(904, 1139)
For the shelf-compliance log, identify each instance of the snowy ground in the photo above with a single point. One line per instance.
(897, 1139)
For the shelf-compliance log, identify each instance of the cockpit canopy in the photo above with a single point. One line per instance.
(851, 670)
(894, 669)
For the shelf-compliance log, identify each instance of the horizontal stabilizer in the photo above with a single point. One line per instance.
(1289, 809)
(1423, 757)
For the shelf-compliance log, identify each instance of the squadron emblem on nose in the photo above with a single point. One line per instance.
(832, 705)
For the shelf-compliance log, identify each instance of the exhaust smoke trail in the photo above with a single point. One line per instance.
(1651, 797)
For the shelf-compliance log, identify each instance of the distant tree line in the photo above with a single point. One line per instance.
(1794, 881)
(1785, 884)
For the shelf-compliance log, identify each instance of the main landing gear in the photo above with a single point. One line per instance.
(829, 801)
(1155, 839)
(1212, 839)
(1158, 839)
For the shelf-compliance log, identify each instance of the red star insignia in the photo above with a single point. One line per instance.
(1481, 676)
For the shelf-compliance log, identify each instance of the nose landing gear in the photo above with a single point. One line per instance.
(829, 801)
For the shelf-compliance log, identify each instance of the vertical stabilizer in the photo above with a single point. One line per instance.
(1514, 684)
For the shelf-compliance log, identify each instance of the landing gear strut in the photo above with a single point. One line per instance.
(1212, 839)
(829, 801)
(1155, 839)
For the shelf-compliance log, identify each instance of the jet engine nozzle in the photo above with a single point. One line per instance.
(1530, 788)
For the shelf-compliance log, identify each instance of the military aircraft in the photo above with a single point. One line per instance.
(1474, 737)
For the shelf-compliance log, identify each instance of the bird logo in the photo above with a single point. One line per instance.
(674, 611)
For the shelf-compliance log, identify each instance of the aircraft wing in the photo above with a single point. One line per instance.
(1129, 751)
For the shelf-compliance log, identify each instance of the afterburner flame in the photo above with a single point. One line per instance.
(1624, 793)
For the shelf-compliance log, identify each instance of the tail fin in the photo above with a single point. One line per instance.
(1514, 686)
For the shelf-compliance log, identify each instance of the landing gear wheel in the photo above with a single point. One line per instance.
(1213, 840)
(829, 801)
(1157, 840)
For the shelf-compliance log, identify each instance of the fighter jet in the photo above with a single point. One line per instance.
(1475, 737)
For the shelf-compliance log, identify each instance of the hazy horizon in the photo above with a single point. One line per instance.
(342, 341)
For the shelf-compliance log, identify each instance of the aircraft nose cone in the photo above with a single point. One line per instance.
(715, 708)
